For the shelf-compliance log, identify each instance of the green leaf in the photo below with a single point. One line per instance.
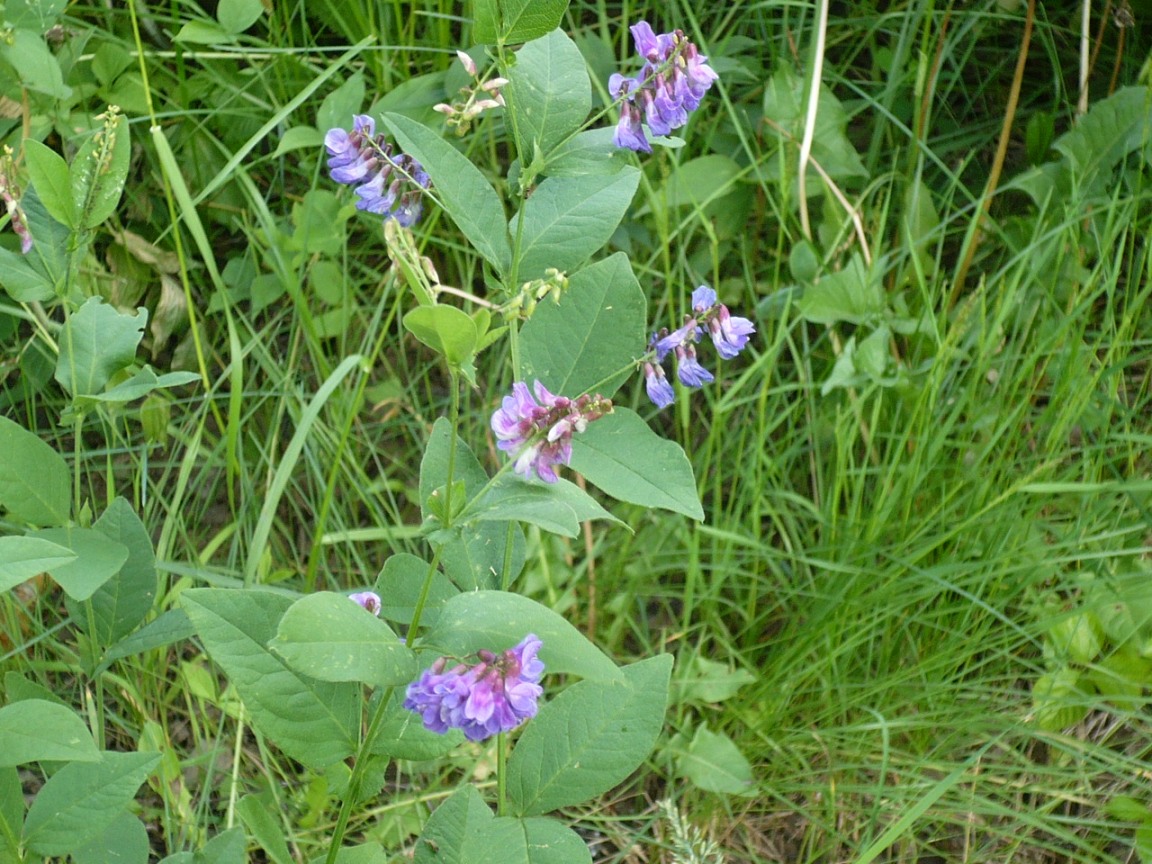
(42, 273)
(36, 67)
(202, 33)
(458, 831)
(557, 507)
(229, 847)
(853, 294)
(630, 462)
(21, 558)
(331, 638)
(125, 600)
(37, 15)
(236, 16)
(446, 330)
(595, 331)
(98, 173)
(497, 620)
(125, 841)
(512, 21)
(568, 218)
(49, 174)
(460, 188)
(314, 722)
(366, 853)
(97, 341)
(299, 138)
(589, 738)
(82, 799)
(701, 180)
(401, 583)
(171, 627)
(549, 92)
(35, 730)
(714, 763)
(708, 681)
(98, 559)
(11, 813)
(267, 830)
(473, 554)
(143, 383)
(33, 477)
(589, 152)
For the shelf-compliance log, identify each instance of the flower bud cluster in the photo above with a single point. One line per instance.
(391, 186)
(496, 694)
(540, 432)
(729, 335)
(669, 87)
(10, 195)
(474, 100)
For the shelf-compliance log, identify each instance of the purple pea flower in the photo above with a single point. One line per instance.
(539, 430)
(673, 80)
(368, 600)
(729, 334)
(496, 694)
(390, 186)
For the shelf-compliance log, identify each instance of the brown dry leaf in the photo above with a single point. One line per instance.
(171, 313)
(142, 250)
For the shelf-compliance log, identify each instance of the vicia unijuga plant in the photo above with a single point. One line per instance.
(443, 651)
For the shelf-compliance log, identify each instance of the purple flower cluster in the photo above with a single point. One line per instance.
(389, 185)
(729, 334)
(540, 432)
(670, 86)
(496, 694)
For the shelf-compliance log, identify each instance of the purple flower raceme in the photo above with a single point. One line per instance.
(670, 85)
(496, 694)
(368, 600)
(538, 431)
(389, 185)
(729, 334)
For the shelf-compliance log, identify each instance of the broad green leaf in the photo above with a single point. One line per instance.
(459, 831)
(549, 92)
(36, 67)
(236, 16)
(589, 738)
(82, 799)
(557, 507)
(547, 841)
(171, 627)
(701, 180)
(11, 813)
(21, 558)
(37, 15)
(473, 554)
(49, 174)
(299, 138)
(98, 173)
(568, 218)
(331, 638)
(43, 272)
(596, 330)
(315, 722)
(228, 847)
(144, 382)
(497, 620)
(365, 853)
(22, 281)
(705, 680)
(459, 186)
(446, 330)
(714, 763)
(98, 559)
(125, 600)
(853, 294)
(1059, 700)
(202, 33)
(401, 583)
(125, 841)
(35, 731)
(623, 457)
(96, 342)
(33, 477)
(513, 21)
(589, 152)
(267, 830)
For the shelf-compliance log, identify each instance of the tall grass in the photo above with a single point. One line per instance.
(885, 559)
